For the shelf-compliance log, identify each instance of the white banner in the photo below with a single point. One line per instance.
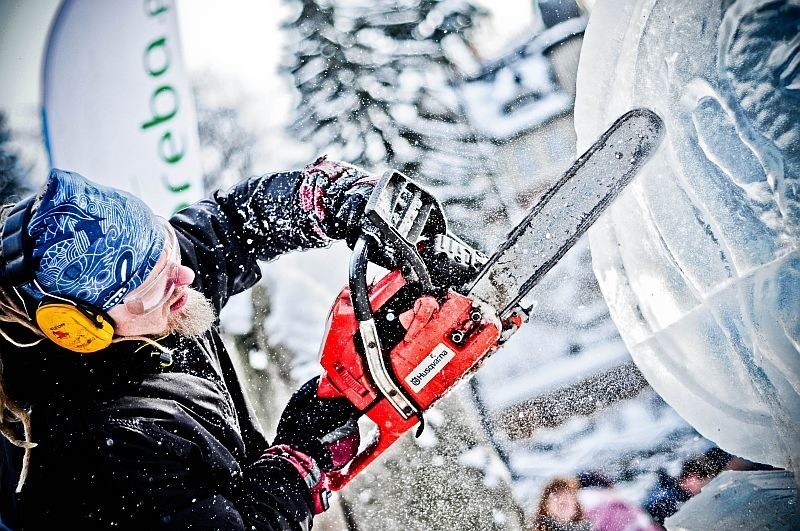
(116, 100)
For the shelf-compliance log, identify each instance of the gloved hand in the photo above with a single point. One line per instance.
(314, 478)
(334, 194)
(324, 428)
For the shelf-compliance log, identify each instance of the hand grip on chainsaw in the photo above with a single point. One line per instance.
(399, 212)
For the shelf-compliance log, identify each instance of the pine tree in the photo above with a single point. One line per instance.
(13, 182)
(375, 88)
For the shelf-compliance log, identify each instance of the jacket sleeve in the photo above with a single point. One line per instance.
(223, 237)
(188, 480)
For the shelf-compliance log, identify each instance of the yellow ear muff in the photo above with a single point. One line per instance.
(69, 327)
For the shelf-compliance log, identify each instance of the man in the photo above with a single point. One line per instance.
(118, 393)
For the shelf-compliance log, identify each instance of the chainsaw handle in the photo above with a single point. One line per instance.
(397, 215)
(357, 278)
(389, 427)
(359, 293)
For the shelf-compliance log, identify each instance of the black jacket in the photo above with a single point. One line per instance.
(125, 442)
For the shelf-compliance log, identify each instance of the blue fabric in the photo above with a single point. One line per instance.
(91, 243)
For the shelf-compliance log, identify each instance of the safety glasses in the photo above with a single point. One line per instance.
(160, 283)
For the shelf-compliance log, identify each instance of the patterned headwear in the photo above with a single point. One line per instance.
(91, 243)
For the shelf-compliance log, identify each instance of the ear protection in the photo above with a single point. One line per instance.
(73, 326)
(69, 324)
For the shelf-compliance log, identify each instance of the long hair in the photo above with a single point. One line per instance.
(556, 485)
(11, 413)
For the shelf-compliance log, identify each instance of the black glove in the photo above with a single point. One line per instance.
(324, 428)
(334, 194)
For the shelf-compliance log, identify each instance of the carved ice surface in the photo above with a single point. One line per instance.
(699, 260)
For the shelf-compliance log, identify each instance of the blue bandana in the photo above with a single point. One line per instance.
(91, 243)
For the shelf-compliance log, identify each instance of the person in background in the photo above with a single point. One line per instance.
(559, 508)
(119, 404)
(607, 509)
(669, 493)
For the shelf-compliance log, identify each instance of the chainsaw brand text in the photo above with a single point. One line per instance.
(430, 366)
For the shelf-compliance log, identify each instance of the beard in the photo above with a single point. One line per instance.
(195, 318)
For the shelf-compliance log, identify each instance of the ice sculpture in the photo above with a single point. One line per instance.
(699, 260)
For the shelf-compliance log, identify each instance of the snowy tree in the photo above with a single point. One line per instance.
(375, 88)
(13, 174)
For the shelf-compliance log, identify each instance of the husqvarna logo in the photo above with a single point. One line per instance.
(429, 367)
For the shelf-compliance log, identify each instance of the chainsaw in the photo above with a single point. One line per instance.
(477, 299)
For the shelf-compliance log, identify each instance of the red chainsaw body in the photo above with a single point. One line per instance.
(427, 367)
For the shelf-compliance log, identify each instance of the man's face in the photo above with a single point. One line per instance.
(156, 321)
(154, 306)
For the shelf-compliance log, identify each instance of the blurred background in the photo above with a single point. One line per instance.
(475, 100)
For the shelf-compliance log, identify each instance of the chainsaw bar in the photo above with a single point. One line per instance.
(565, 212)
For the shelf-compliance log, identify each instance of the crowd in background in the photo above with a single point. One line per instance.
(591, 502)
